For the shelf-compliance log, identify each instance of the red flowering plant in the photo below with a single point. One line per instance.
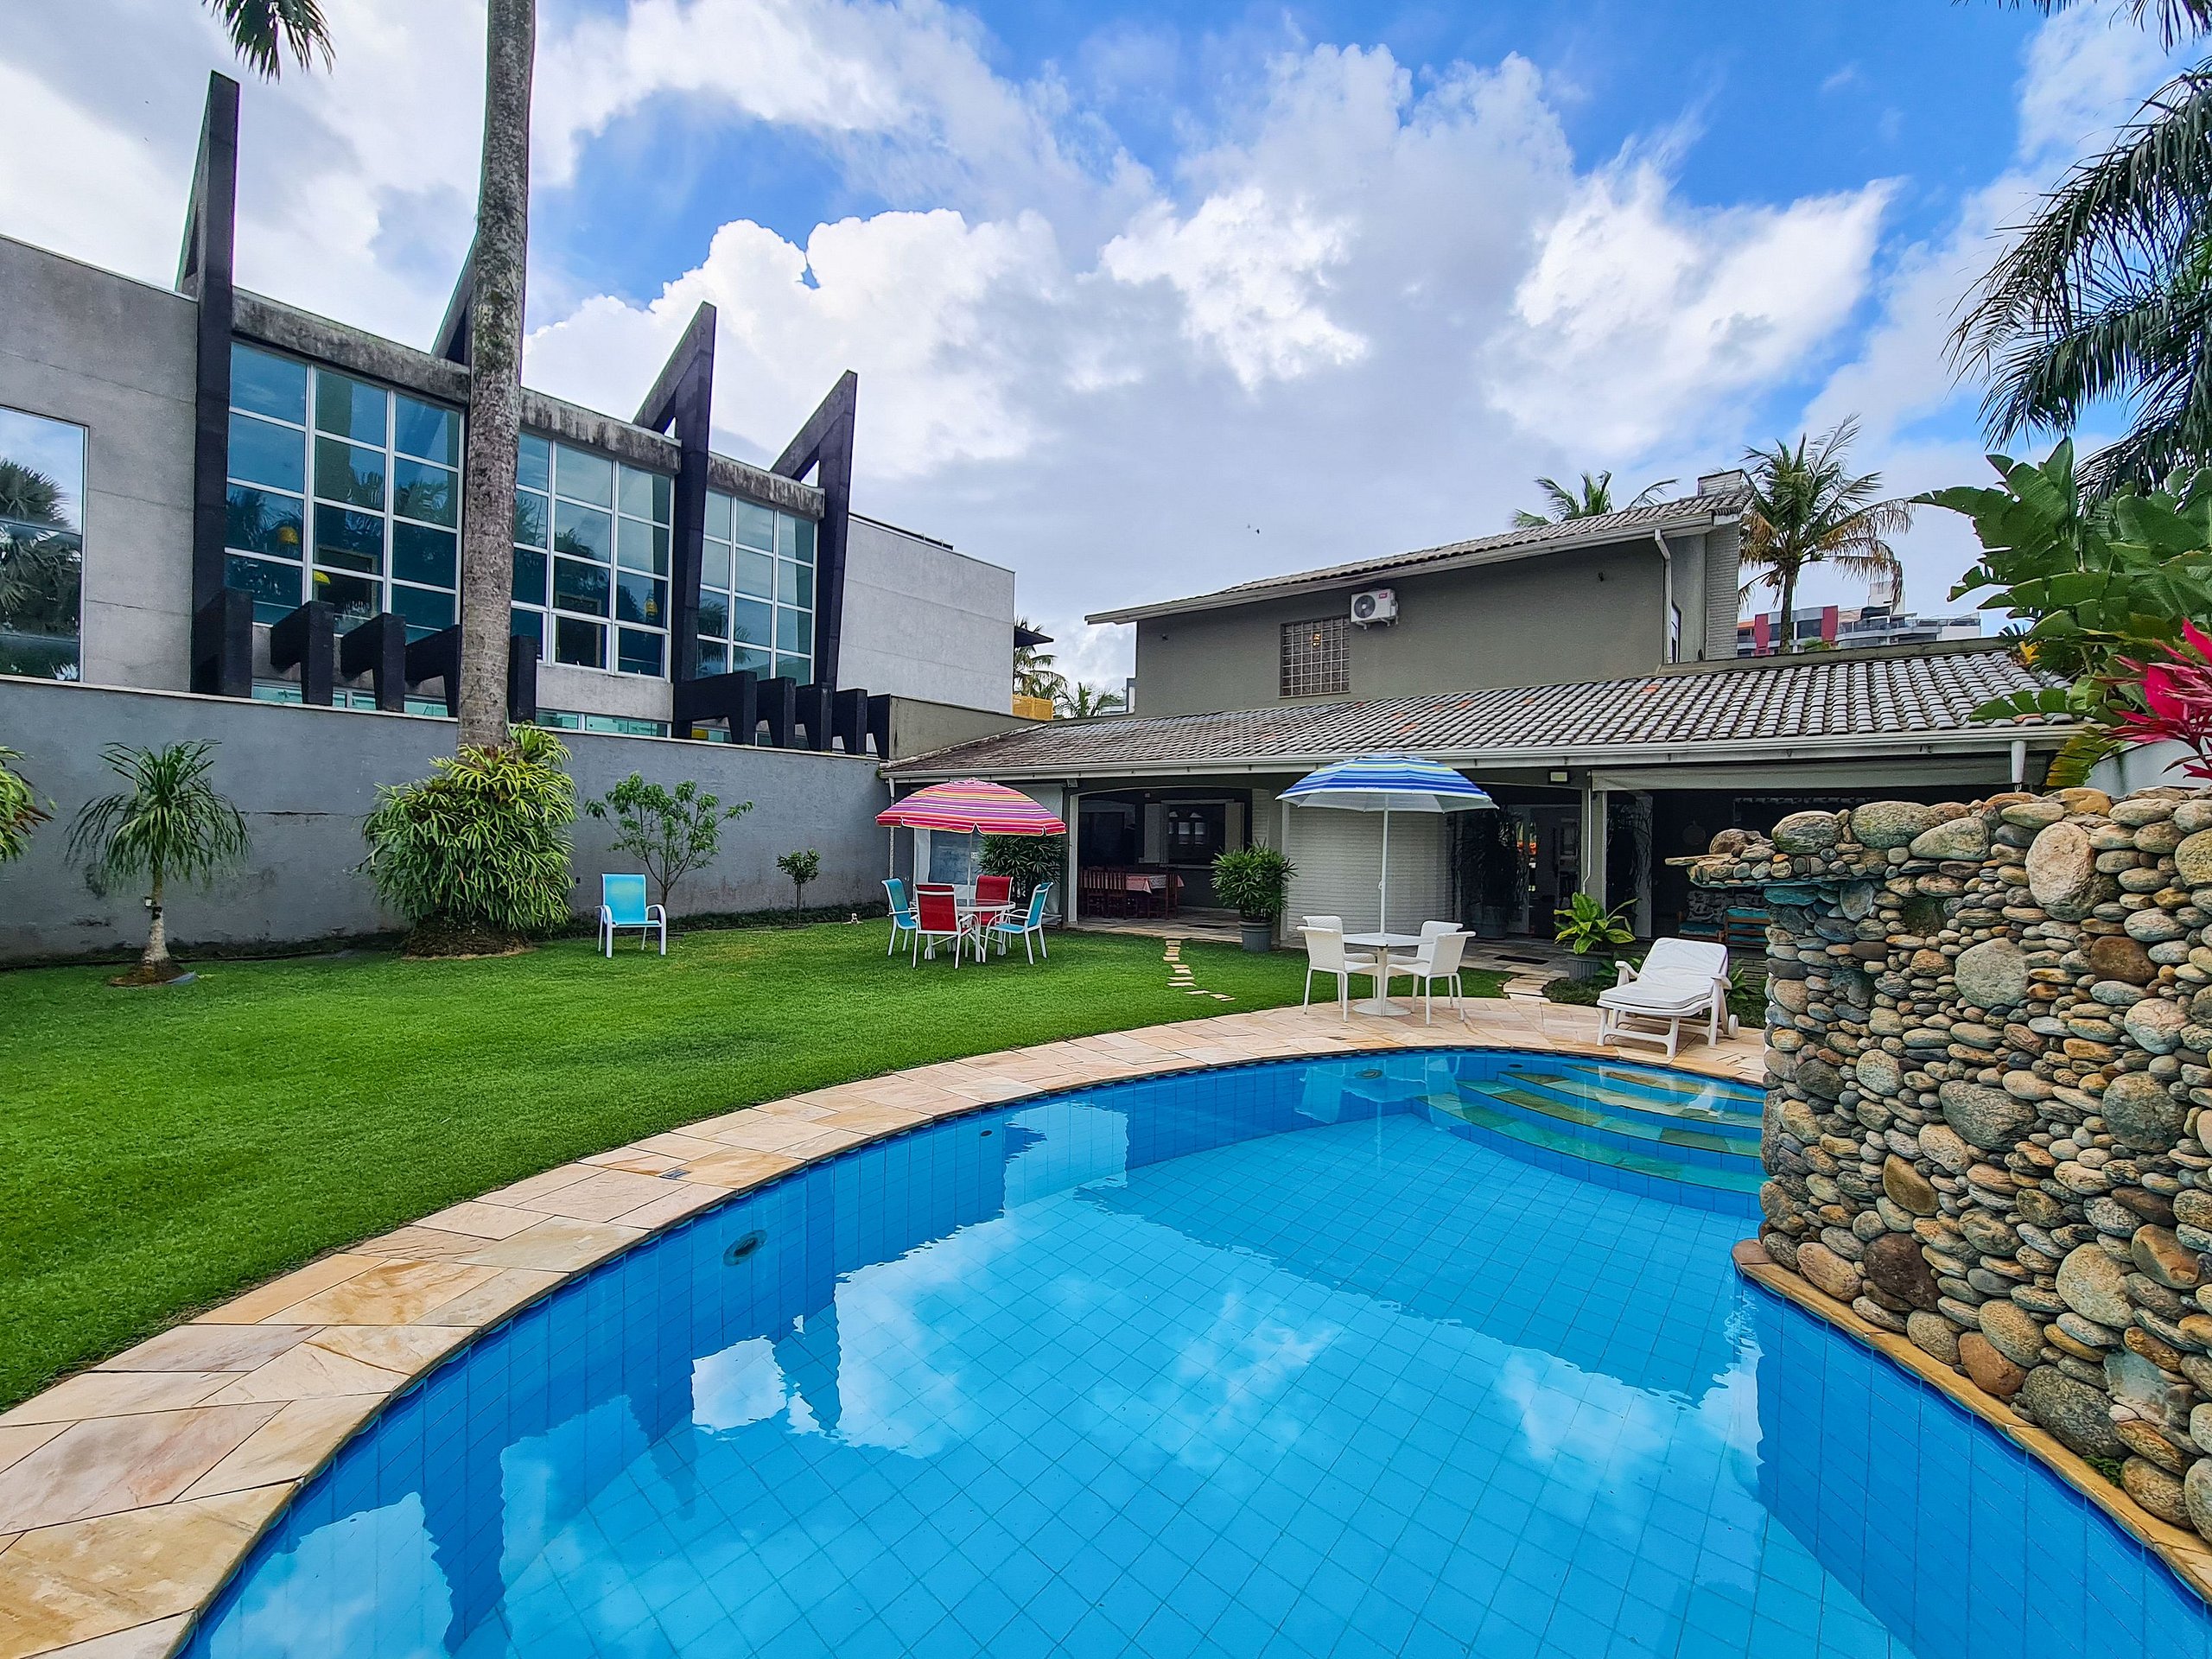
(2174, 689)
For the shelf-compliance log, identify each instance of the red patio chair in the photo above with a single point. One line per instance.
(938, 912)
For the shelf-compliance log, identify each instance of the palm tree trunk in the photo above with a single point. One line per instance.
(495, 372)
(1789, 641)
(156, 957)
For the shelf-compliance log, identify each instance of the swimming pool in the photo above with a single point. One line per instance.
(1433, 1353)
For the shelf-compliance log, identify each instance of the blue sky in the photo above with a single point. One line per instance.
(1149, 298)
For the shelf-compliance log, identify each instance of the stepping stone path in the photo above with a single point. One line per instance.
(1179, 977)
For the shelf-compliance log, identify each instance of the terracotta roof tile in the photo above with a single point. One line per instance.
(1824, 695)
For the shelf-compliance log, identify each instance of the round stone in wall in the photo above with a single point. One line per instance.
(2011, 1331)
(1991, 1372)
(1895, 1266)
(1993, 974)
(2114, 955)
(1966, 838)
(2140, 1112)
(1986, 1117)
(2155, 1489)
(1878, 1073)
(2063, 871)
(2096, 1287)
(2156, 1024)
(1890, 823)
(1806, 832)
(1827, 1272)
(1934, 1335)
(2196, 1495)
(1907, 1188)
(2193, 859)
(1942, 1145)
(2074, 1412)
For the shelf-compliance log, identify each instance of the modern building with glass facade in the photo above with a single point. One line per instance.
(204, 489)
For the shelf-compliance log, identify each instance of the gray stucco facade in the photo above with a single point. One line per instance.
(117, 358)
(925, 621)
(306, 778)
(1590, 613)
(1552, 605)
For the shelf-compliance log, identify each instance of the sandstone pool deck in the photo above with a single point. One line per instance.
(129, 1491)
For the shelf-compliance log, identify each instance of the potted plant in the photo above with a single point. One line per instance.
(1256, 882)
(1586, 925)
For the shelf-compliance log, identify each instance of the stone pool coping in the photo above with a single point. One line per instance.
(131, 1491)
(2188, 1556)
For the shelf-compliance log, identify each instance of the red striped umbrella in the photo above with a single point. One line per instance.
(971, 803)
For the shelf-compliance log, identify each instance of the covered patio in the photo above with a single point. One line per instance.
(1597, 786)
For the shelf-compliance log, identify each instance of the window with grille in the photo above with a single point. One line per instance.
(1315, 663)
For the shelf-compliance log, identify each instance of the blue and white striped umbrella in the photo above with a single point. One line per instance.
(1388, 783)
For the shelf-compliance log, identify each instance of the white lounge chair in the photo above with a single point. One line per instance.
(1682, 980)
(1325, 954)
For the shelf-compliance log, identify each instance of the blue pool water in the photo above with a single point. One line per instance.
(1437, 1354)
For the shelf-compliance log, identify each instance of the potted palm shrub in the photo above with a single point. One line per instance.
(1585, 927)
(1254, 881)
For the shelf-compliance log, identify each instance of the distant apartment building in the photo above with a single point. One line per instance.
(1882, 620)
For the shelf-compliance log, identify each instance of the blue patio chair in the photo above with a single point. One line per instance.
(622, 903)
(1028, 927)
(902, 912)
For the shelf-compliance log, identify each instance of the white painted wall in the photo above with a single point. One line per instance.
(923, 620)
(1339, 859)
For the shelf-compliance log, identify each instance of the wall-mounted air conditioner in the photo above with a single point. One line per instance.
(1375, 605)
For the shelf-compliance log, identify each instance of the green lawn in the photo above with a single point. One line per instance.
(161, 1150)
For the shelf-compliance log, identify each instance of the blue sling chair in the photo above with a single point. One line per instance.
(622, 903)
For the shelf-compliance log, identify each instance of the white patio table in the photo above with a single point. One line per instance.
(1382, 944)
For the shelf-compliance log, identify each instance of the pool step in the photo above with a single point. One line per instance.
(1696, 1101)
(1629, 1124)
(1691, 1166)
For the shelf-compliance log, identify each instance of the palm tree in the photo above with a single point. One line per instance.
(499, 264)
(20, 812)
(1593, 500)
(1085, 702)
(262, 31)
(170, 824)
(1807, 509)
(1033, 673)
(2107, 293)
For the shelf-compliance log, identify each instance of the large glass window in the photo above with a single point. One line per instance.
(341, 490)
(591, 558)
(756, 590)
(41, 544)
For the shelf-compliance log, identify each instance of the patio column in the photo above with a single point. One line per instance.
(1071, 814)
(1593, 841)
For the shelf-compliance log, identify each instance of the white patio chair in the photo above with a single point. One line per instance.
(1681, 981)
(1325, 954)
(1336, 921)
(1436, 958)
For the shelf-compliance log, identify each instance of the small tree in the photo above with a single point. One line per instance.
(671, 832)
(802, 867)
(476, 854)
(1086, 702)
(20, 812)
(1254, 882)
(170, 824)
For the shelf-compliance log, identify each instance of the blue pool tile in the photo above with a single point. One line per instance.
(1278, 1359)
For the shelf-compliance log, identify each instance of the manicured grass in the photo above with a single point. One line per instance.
(161, 1150)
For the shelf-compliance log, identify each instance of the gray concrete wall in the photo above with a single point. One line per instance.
(305, 778)
(114, 356)
(925, 621)
(918, 727)
(1586, 615)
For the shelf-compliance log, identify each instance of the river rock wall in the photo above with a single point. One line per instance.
(1989, 1056)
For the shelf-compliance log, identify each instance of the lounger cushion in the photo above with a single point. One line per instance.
(1671, 992)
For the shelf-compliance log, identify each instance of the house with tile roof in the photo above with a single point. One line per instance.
(1583, 673)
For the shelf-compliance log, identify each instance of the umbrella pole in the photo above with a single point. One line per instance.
(1385, 883)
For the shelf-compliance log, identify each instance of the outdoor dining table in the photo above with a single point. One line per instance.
(977, 918)
(1382, 944)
